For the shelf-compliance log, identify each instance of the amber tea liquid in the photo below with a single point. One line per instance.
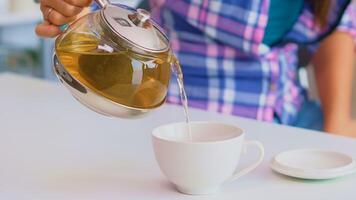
(131, 80)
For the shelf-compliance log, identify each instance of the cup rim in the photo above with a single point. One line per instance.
(156, 136)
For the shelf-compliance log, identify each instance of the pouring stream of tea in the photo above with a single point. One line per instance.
(183, 96)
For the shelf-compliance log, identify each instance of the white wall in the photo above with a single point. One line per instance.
(19, 36)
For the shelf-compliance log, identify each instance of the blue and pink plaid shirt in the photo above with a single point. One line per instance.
(226, 66)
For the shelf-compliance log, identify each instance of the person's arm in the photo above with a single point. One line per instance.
(334, 62)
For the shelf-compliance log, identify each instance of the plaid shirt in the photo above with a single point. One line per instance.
(226, 66)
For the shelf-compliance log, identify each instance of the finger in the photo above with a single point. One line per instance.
(58, 19)
(47, 30)
(79, 3)
(62, 7)
(44, 10)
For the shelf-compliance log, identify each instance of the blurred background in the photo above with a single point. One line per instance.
(22, 52)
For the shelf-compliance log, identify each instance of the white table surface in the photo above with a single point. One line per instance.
(51, 147)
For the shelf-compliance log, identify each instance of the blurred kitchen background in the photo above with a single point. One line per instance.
(22, 52)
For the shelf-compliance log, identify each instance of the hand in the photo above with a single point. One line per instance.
(58, 12)
(346, 129)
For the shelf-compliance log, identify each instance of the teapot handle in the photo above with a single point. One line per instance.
(102, 3)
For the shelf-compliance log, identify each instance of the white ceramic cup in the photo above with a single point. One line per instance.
(203, 164)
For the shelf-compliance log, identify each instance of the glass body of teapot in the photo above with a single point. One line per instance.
(122, 62)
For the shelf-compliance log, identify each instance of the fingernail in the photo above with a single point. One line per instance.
(63, 27)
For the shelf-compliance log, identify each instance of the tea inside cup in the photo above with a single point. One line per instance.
(197, 132)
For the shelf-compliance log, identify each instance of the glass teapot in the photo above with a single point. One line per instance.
(116, 61)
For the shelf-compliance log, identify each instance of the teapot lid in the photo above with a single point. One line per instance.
(135, 29)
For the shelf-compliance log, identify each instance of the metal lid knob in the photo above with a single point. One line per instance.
(140, 17)
(143, 15)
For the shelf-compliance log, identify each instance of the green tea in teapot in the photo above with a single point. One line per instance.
(126, 78)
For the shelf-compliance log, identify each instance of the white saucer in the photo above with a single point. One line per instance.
(313, 164)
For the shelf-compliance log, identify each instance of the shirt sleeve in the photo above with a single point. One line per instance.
(346, 24)
(348, 21)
